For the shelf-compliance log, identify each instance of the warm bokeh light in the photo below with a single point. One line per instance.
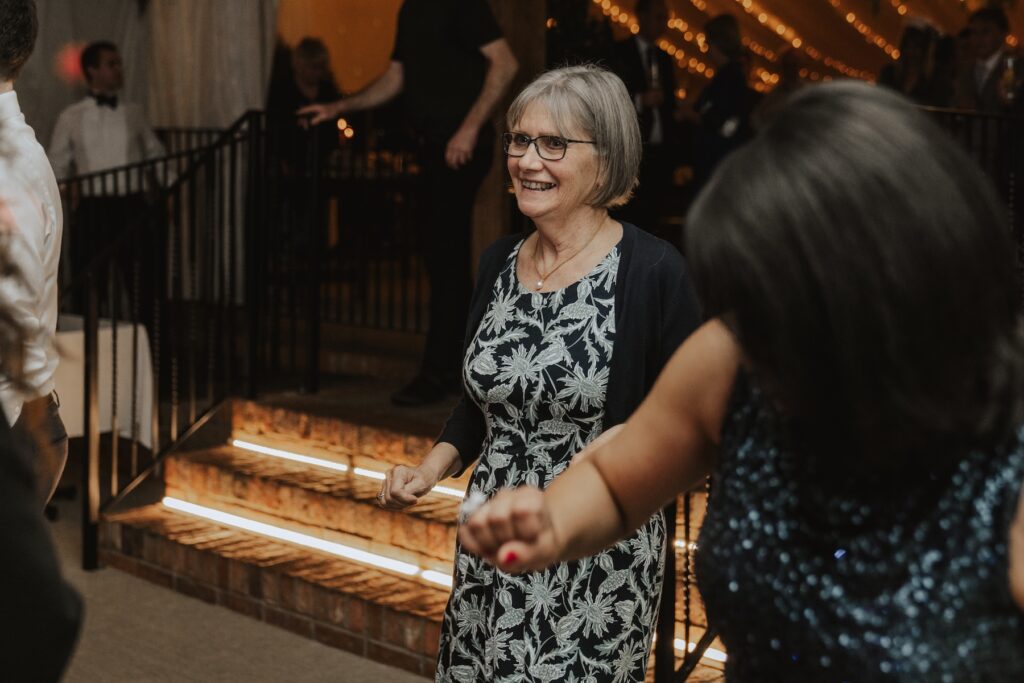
(67, 63)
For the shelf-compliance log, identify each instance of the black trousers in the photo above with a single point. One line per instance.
(450, 195)
(42, 429)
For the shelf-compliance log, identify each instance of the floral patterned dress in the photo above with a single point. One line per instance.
(538, 368)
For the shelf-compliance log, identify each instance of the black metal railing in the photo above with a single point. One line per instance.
(161, 291)
(375, 275)
(187, 139)
(996, 142)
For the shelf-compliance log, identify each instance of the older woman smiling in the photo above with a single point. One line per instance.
(568, 328)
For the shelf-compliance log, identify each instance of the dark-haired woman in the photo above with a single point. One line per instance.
(857, 398)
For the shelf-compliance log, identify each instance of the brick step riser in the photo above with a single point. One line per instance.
(347, 520)
(269, 590)
(270, 594)
(345, 362)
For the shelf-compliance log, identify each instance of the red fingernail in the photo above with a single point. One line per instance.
(510, 557)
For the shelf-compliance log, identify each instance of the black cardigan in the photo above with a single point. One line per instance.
(655, 310)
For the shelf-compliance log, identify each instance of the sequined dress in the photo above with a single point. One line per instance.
(538, 368)
(811, 588)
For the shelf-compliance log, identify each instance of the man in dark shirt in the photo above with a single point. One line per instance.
(649, 74)
(452, 66)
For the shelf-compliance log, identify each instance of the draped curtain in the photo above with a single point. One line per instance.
(209, 62)
(189, 63)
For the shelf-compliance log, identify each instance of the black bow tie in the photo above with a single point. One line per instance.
(105, 100)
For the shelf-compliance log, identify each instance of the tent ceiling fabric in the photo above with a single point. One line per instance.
(835, 37)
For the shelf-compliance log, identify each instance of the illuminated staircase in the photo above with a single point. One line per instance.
(279, 522)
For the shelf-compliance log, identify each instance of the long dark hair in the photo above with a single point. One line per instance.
(865, 265)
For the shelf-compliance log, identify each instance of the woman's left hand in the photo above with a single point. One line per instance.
(513, 532)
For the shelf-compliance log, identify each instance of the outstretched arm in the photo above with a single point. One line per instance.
(667, 446)
(384, 89)
(1017, 554)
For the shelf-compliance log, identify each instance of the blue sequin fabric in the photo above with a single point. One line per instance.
(907, 587)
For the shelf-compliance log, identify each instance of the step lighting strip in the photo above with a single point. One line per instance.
(350, 553)
(711, 653)
(330, 464)
(307, 541)
(682, 647)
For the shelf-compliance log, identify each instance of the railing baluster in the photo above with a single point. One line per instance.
(113, 298)
(91, 421)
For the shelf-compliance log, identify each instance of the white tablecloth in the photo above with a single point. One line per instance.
(70, 378)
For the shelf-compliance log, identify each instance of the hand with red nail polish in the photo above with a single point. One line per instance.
(513, 531)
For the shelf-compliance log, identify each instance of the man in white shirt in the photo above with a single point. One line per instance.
(98, 133)
(31, 224)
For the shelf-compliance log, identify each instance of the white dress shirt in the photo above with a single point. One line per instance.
(89, 137)
(983, 70)
(30, 215)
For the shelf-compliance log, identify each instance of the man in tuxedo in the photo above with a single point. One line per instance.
(982, 87)
(100, 132)
(650, 77)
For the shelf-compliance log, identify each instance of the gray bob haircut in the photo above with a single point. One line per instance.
(589, 101)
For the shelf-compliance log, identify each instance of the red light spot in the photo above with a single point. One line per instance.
(67, 63)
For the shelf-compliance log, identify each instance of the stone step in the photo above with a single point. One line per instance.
(362, 609)
(356, 422)
(336, 506)
(373, 613)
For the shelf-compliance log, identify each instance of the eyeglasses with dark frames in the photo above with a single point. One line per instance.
(549, 147)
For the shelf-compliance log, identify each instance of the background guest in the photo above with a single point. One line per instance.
(100, 131)
(650, 77)
(96, 133)
(452, 67)
(911, 74)
(307, 80)
(790, 80)
(981, 88)
(864, 426)
(568, 328)
(41, 613)
(723, 108)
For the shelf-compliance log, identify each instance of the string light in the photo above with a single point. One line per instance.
(870, 35)
(790, 36)
(689, 62)
(900, 7)
(751, 44)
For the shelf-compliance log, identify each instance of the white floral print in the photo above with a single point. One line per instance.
(539, 368)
